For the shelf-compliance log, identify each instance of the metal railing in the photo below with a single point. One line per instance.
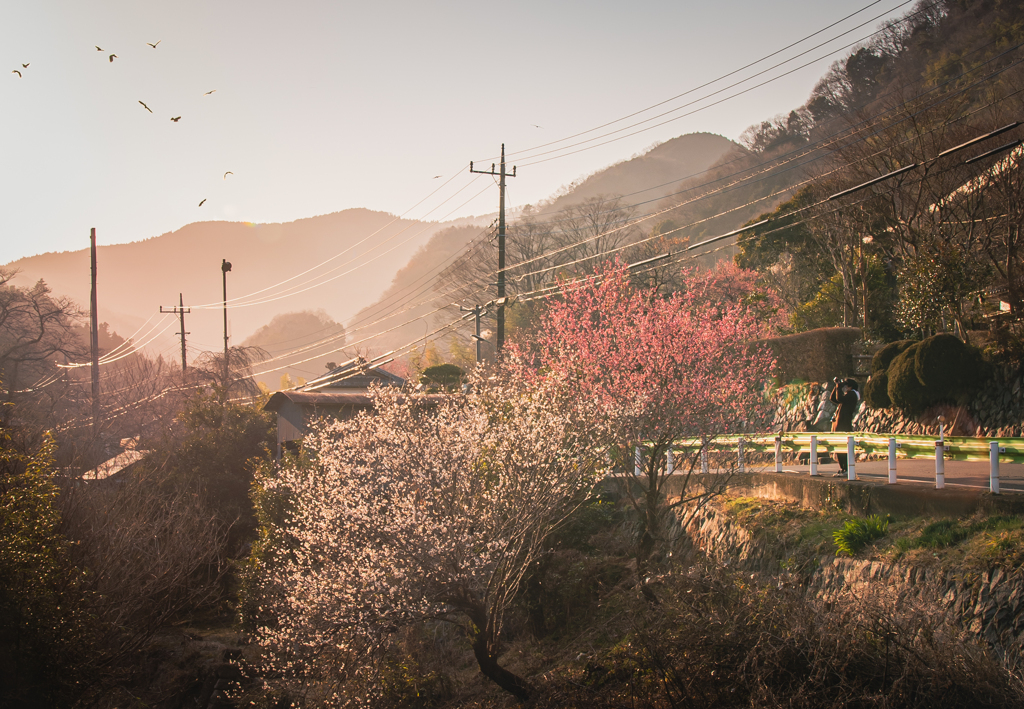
(994, 450)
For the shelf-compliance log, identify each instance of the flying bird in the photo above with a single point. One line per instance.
(209, 92)
(201, 203)
(146, 107)
(154, 45)
(228, 173)
(24, 66)
(176, 119)
(98, 49)
(112, 58)
(536, 126)
(435, 177)
(18, 73)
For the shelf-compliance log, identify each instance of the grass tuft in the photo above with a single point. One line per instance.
(858, 533)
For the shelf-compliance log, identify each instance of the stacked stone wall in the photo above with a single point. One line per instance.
(997, 410)
(987, 604)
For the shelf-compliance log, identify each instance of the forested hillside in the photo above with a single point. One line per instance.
(934, 244)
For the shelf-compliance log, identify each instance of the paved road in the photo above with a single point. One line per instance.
(919, 471)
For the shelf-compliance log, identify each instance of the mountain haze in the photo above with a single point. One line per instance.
(135, 279)
(650, 177)
(654, 174)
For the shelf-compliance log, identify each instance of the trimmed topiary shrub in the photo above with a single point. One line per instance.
(443, 376)
(948, 367)
(905, 389)
(884, 357)
(876, 391)
(939, 369)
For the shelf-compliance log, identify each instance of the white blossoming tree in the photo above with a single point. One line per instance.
(430, 507)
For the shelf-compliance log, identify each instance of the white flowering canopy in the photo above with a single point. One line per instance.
(430, 506)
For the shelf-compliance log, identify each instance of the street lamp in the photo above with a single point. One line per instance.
(225, 266)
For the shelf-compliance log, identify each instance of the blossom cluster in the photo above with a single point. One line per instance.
(430, 506)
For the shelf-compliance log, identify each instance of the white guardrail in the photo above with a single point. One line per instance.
(994, 450)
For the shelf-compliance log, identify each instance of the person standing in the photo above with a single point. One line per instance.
(846, 398)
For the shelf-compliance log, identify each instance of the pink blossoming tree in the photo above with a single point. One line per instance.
(430, 508)
(656, 369)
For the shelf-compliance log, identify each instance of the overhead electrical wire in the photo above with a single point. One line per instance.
(704, 85)
(632, 244)
(235, 301)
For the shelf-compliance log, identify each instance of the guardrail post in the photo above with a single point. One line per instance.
(993, 466)
(637, 462)
(851, 459)
(892, 461)
(740, 454)
(778, 454)
(669, 462)
(940, 465)
(704, 455)
(814, 455)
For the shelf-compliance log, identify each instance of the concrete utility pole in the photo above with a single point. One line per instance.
(94, 338)
(224, 268)
(478, 311)
(180, 310)
(499, 338)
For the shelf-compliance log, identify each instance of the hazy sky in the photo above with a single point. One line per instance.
(323, 105)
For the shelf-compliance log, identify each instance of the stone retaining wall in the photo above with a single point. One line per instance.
(996, 411)
(987, 605)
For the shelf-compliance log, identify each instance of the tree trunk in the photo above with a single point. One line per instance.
(645, 549)
(483, 650)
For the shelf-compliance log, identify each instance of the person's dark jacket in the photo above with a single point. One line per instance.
(846, 407)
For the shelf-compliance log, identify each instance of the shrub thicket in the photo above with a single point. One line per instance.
(905, 389)
(939, 369)
(884, 357)
(947, 366)
(876, 391)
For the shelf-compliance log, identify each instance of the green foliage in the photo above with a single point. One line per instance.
(272, 506)
(45, 629)
(442, 376)
(214, 452)
(939, 369)
(876, 391)
(905, 389)
(946, 363)
(858, 533)
(946, 533)
(937, 287)
(884, 357)
(824, 309)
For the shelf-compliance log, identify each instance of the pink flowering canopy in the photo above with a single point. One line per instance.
(658, 368)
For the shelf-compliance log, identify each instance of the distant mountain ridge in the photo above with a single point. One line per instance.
(655, 174)
(135, 279)
(651, 177)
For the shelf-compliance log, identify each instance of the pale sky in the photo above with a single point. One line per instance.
(322, 105)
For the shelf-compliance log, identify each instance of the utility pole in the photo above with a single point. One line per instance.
(478, 311)
(180, 310)
(224, 268)
(94, 338)
(499, 339)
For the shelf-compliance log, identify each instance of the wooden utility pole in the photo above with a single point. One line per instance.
(94, 339)
(499, 338)
(180, 310)
(224, 268)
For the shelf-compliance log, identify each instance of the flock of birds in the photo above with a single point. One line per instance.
(110, 59)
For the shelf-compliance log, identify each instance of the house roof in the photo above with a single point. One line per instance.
(318, 398)
(353, 375)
